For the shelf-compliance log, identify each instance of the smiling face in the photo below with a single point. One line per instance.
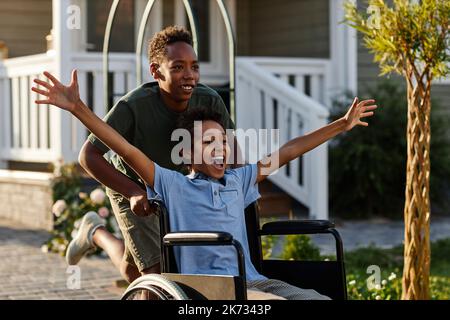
(213, 148)
(177, 75)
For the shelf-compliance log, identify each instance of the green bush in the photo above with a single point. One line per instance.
(299, 247)
(367, 165)
(391, 287)
(390, 262)
(294, 247)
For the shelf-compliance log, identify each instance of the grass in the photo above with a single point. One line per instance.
(359, 259)
(390, 262)
(365, 284)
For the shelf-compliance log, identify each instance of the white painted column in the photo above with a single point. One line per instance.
(317, 171)
(343, 51)
(60, 121)
(5, 118)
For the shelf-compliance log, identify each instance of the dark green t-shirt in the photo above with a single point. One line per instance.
(142, 118)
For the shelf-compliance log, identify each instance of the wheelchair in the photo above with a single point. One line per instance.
(326, 277)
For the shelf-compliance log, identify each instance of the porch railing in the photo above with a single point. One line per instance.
(26, 130)
(308, 75)
(267, 102)
(37, 134)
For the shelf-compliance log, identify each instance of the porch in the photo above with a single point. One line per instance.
(288, 94)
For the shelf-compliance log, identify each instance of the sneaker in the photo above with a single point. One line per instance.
(82, 244)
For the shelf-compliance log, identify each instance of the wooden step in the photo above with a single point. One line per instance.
(274, 202)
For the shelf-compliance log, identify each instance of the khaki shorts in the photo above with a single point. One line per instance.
(141, 234)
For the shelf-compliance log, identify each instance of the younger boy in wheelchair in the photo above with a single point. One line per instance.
(212, 197)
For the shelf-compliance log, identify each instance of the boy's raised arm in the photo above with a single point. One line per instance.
(68, 98)
(300, 145)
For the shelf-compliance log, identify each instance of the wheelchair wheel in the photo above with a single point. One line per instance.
(154, 287)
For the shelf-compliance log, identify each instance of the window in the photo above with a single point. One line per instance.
(122, 34)
(201, 9)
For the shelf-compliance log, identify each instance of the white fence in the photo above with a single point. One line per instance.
(308, 75)
(90, 78)
(31, 133)
(265, 102)
(26, 131)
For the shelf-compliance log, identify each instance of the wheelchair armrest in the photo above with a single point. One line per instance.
(296, 227)
(211, 238)
(195, 237)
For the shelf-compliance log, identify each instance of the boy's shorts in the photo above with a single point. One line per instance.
(141, 234)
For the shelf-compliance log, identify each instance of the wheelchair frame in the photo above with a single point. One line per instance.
(171, 285)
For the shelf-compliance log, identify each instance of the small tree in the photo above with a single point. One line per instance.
(411, 38)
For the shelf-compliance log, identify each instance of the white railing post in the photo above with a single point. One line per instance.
(24, 108)
(317, 171)
(253, 78)
(99, 105)
(15, 111)
(5, 119)
(62, 41)
(343, 50)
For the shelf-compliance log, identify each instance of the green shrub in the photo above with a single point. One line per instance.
(367, 165)
(390, 287)
(294, 247)
(390, 262)
(299, 247)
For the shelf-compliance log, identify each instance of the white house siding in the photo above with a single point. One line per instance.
(24, 25)
(283, 28)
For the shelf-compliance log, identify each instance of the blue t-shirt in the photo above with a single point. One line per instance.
(201, 203)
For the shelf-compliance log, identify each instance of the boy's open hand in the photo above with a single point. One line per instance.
(357, 111)
(58, 94)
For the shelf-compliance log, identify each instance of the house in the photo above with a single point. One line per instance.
(292, 57)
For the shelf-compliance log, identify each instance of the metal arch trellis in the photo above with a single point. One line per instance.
(140, 40)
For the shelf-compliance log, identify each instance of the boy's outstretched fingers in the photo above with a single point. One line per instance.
(42, 83)
(52, 78)
(64, 97)
(74, 76)
(42, 92)
(366, 110)
(357, 111)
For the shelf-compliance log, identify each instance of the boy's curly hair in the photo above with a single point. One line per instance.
(157, 48)
(186, 119)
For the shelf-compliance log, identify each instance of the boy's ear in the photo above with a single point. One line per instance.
(154, 70)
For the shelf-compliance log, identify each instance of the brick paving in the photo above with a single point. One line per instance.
(28, 273)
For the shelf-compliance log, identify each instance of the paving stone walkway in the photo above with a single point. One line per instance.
(28, 273)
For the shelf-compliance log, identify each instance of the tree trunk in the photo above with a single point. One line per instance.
(416, 268)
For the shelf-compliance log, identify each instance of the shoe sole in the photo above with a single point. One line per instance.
(72, 244)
